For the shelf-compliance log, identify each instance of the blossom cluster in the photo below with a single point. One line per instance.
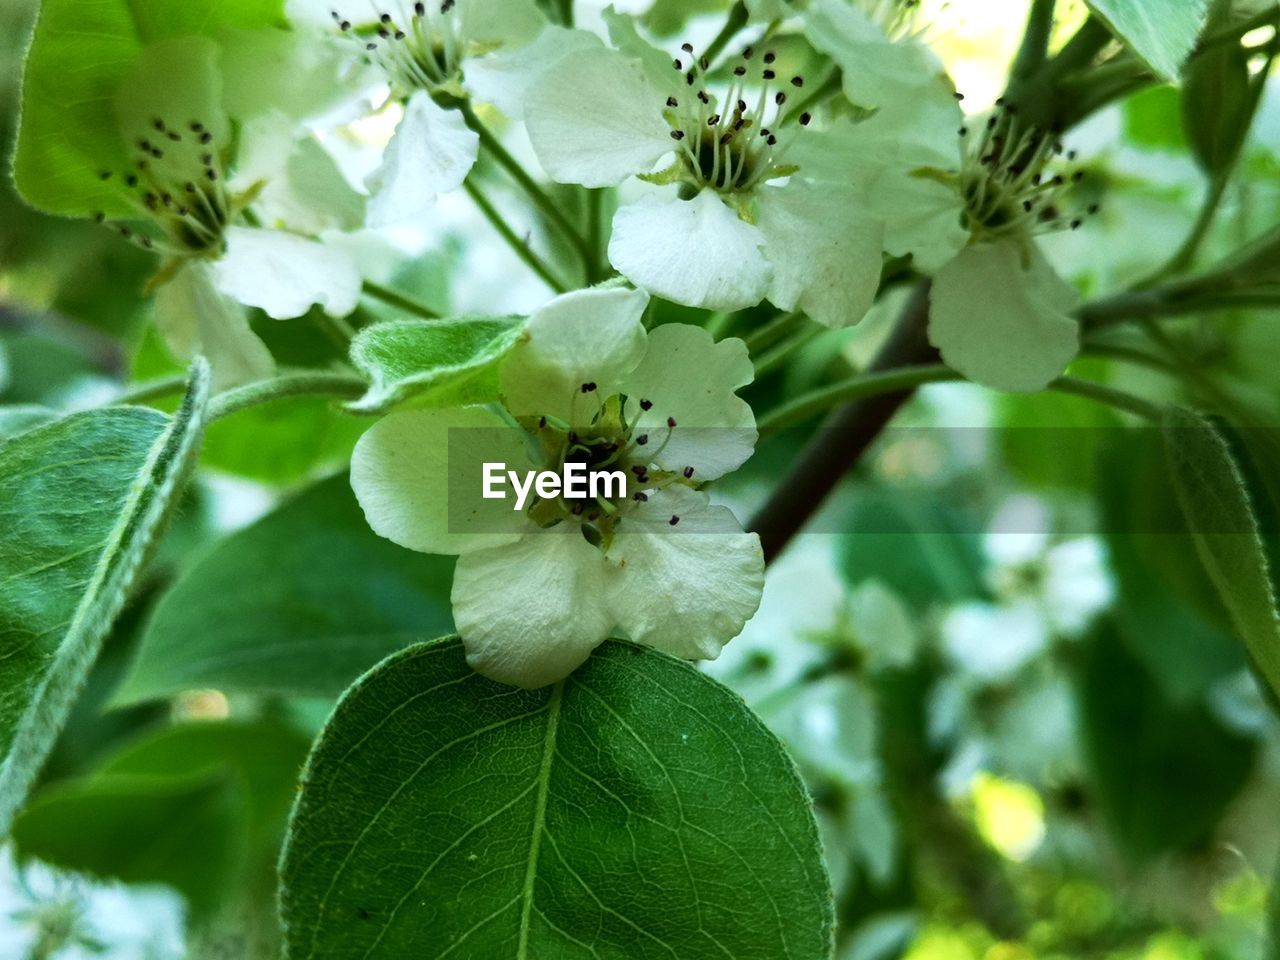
(741, 179)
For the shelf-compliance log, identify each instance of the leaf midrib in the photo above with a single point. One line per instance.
(539, 818)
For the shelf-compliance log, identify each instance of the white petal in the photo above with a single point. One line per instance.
(686, 589)
(586, 336)
(690, 378)
(656, 63)
(431, 153)
(505, 77)
(285, 275)
(195, 318)
(877, 72)
(825, 247)
(498, 23)
(531, 612)
(696, 252)
(595, 119)
(312, 196)
(1001, 321)
(418, 475)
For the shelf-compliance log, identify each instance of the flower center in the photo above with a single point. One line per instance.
(614, 440)
(733, 144)
(175, 185)
(418, 46)
(1014, 179)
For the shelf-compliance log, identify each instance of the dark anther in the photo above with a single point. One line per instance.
(211, 174)
(196, 126)
(542, 423)
(158, 124)
(677, 64)
(958, 95)
(726, 139)
(797, 81)
(780, 98)
(964, 131)
(768, 75)
(589, 387)
(131, 181)
(1076, 224)
(175, 137)
(191, 187)
(384, 33)
(344, 26)
(688, 78)
(1077, 176)
(641, 498)
(671, 422)
(674, 520)
(688, 473)
(742, 106)
(739, 71)
(1093, 208)
(687, 47)
(772, 140)
(770, 56)
(672, 102)
(703, 98)
(1027, 205)
(713, 120)
(646, 404)
(805, 118)
(748, 53)
(420, 9)
(371, 47)
(385, 18)
(399, 34)
(99, 217)
(642, 439)
(677, 134)
(703, 64)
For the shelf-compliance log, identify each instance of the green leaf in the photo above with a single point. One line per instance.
(1164, 773)
(1216, 504)
(432, 362)
(1168, 614)
(79, 54)
(301, 602)
(635, 810)
(917, 543)
(86, 497)
(200, 807)
(285, 441)
(1217, 107)
(1161, 32)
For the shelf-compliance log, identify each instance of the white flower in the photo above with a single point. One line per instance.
(427, 53)
(966, 210)
(743, 221)
(536, 590)
(183, 196)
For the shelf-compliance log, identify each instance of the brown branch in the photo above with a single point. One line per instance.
(846, 435)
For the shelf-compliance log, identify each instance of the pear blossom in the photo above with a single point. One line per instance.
(426, 54)
(537, 589)
(184, 196)
(736, 220)
(966, 205)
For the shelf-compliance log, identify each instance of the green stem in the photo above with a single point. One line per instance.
(398, 300)
(776, 356)
(771, 331)
(595, 233)
(339, 332)
(340, 385)
(531, 259)
(541, 199)
(1035, 39)
(1117, 351)
(1110, 396)
(855, 388)
(735, 21)
(565, 12)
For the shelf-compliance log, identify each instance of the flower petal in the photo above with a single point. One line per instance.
(284, 274)
(1001, 321)
(690, 378)
(431, 153)
(530, 612)
(505, 77)
(194, 318)
(586, 336)
(696, 252)
(825, 247)
(686, 589)
(418, 475)
(498, 23)
(595, 119)
(877, 72)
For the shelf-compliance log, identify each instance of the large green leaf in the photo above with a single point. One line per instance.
(201, 807)
(78, 56)
(1164, 773)
(635, 810)
(1216, 504)
(301, 602)
(437, 362)
(1161, 32)
(82, 501)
